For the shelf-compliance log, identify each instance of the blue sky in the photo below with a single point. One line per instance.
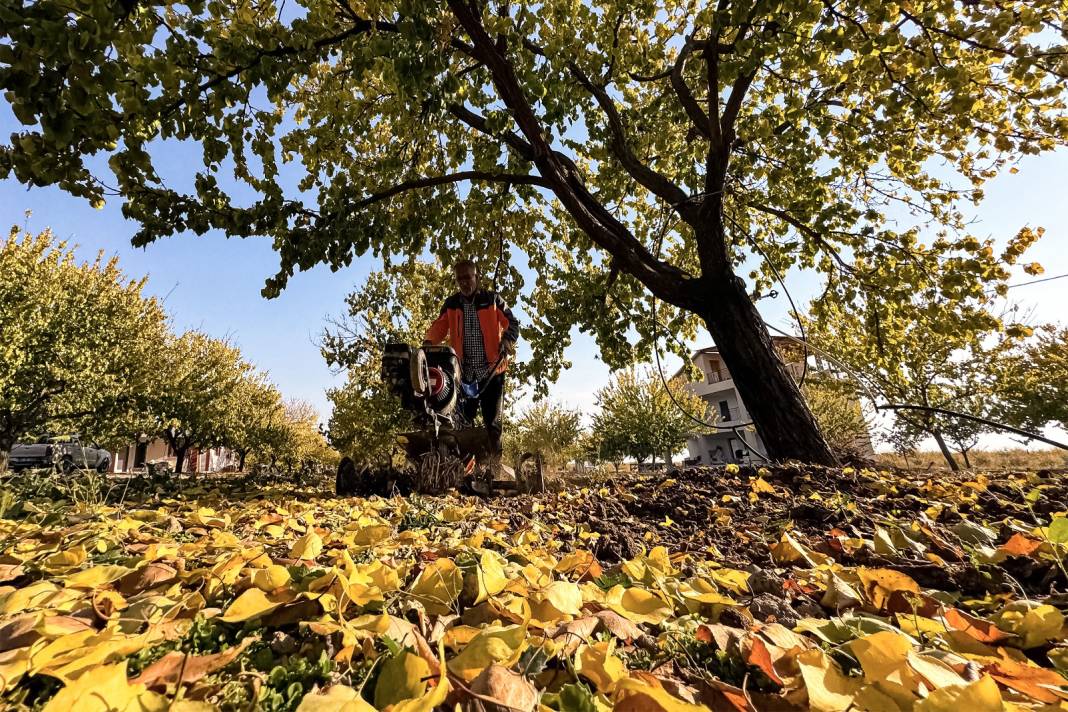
(213, 283)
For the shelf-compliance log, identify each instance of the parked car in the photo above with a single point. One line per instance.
(64, 452)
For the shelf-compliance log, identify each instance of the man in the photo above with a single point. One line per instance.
(482, 331)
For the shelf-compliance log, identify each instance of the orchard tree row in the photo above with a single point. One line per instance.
(85, 350)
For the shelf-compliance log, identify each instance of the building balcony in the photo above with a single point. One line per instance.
(704, 389)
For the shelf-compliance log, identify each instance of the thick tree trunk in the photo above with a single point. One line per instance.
(241, 462)
(946, 453)
(779, 412)
(967, 462)
(179, 453)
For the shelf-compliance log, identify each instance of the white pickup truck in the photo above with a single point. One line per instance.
(66, 453)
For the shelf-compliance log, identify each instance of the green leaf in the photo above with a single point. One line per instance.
(1058, 530)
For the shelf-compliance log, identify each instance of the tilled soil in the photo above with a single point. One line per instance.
(737, 518)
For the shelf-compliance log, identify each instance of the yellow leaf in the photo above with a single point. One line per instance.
(639, 605)
(881, 654)
(339, 698)
(829, 690)
(62, 560)
(732, 579)
(761, 485)
(791, 551)
(492, 645)
(581, 562)
(1035, 623)
(917, 625)
(434, 697)
(701, 591)
(308, 546)
(105, 689)
(206, 517)
(457, 514)
(980, 696)
(558, 599)
(403, 677)
(384, 577)
(634, 695)
(839, 593)
(96, 576)
(438, 586)
(13, 665)
(271, 578)
(371, 531)
(937, 673)
(598, 665)
(488, 578)
(253, 603)
(880, 584)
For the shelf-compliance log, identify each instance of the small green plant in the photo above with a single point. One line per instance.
(287, 683)
(611, 579)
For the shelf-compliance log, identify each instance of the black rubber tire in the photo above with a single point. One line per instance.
(102, 466)
(66, 465)
(345, 482)
(419, 372)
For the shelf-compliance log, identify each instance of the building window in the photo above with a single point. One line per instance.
(724, 410)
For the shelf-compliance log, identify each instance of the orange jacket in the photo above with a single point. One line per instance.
(497, 322)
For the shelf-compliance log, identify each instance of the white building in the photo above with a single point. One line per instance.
(735, 439)
(137, 455)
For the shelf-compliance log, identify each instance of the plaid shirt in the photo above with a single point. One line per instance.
(475, 366)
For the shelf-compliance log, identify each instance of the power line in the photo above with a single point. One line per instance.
(1033, 281)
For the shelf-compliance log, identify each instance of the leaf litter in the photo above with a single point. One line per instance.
(727, 589)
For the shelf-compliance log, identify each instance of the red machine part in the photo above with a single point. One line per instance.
(437, 381)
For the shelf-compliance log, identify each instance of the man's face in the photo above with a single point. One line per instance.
(467, 280)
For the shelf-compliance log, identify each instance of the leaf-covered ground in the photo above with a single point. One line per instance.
(794, 588)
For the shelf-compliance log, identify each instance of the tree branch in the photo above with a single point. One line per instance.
(417, 183)
(479, 123)
(359, 26)
(806, 230)
(689, 103)
(657, 183)
(975, 44)
(665, 281)
(732, 107)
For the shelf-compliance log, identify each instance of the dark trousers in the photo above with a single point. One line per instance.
(490, 403)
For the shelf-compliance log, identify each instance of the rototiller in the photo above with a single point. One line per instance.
(444, 451)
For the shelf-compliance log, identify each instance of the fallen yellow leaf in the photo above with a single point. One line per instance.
(338, 698)
(253, 603)
(403, 677)
(308, 546)
(980, 696)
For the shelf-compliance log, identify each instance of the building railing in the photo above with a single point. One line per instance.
(726, 415)
(721, 375)
(717, 376)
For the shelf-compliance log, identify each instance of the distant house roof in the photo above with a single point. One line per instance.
(775, 340)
